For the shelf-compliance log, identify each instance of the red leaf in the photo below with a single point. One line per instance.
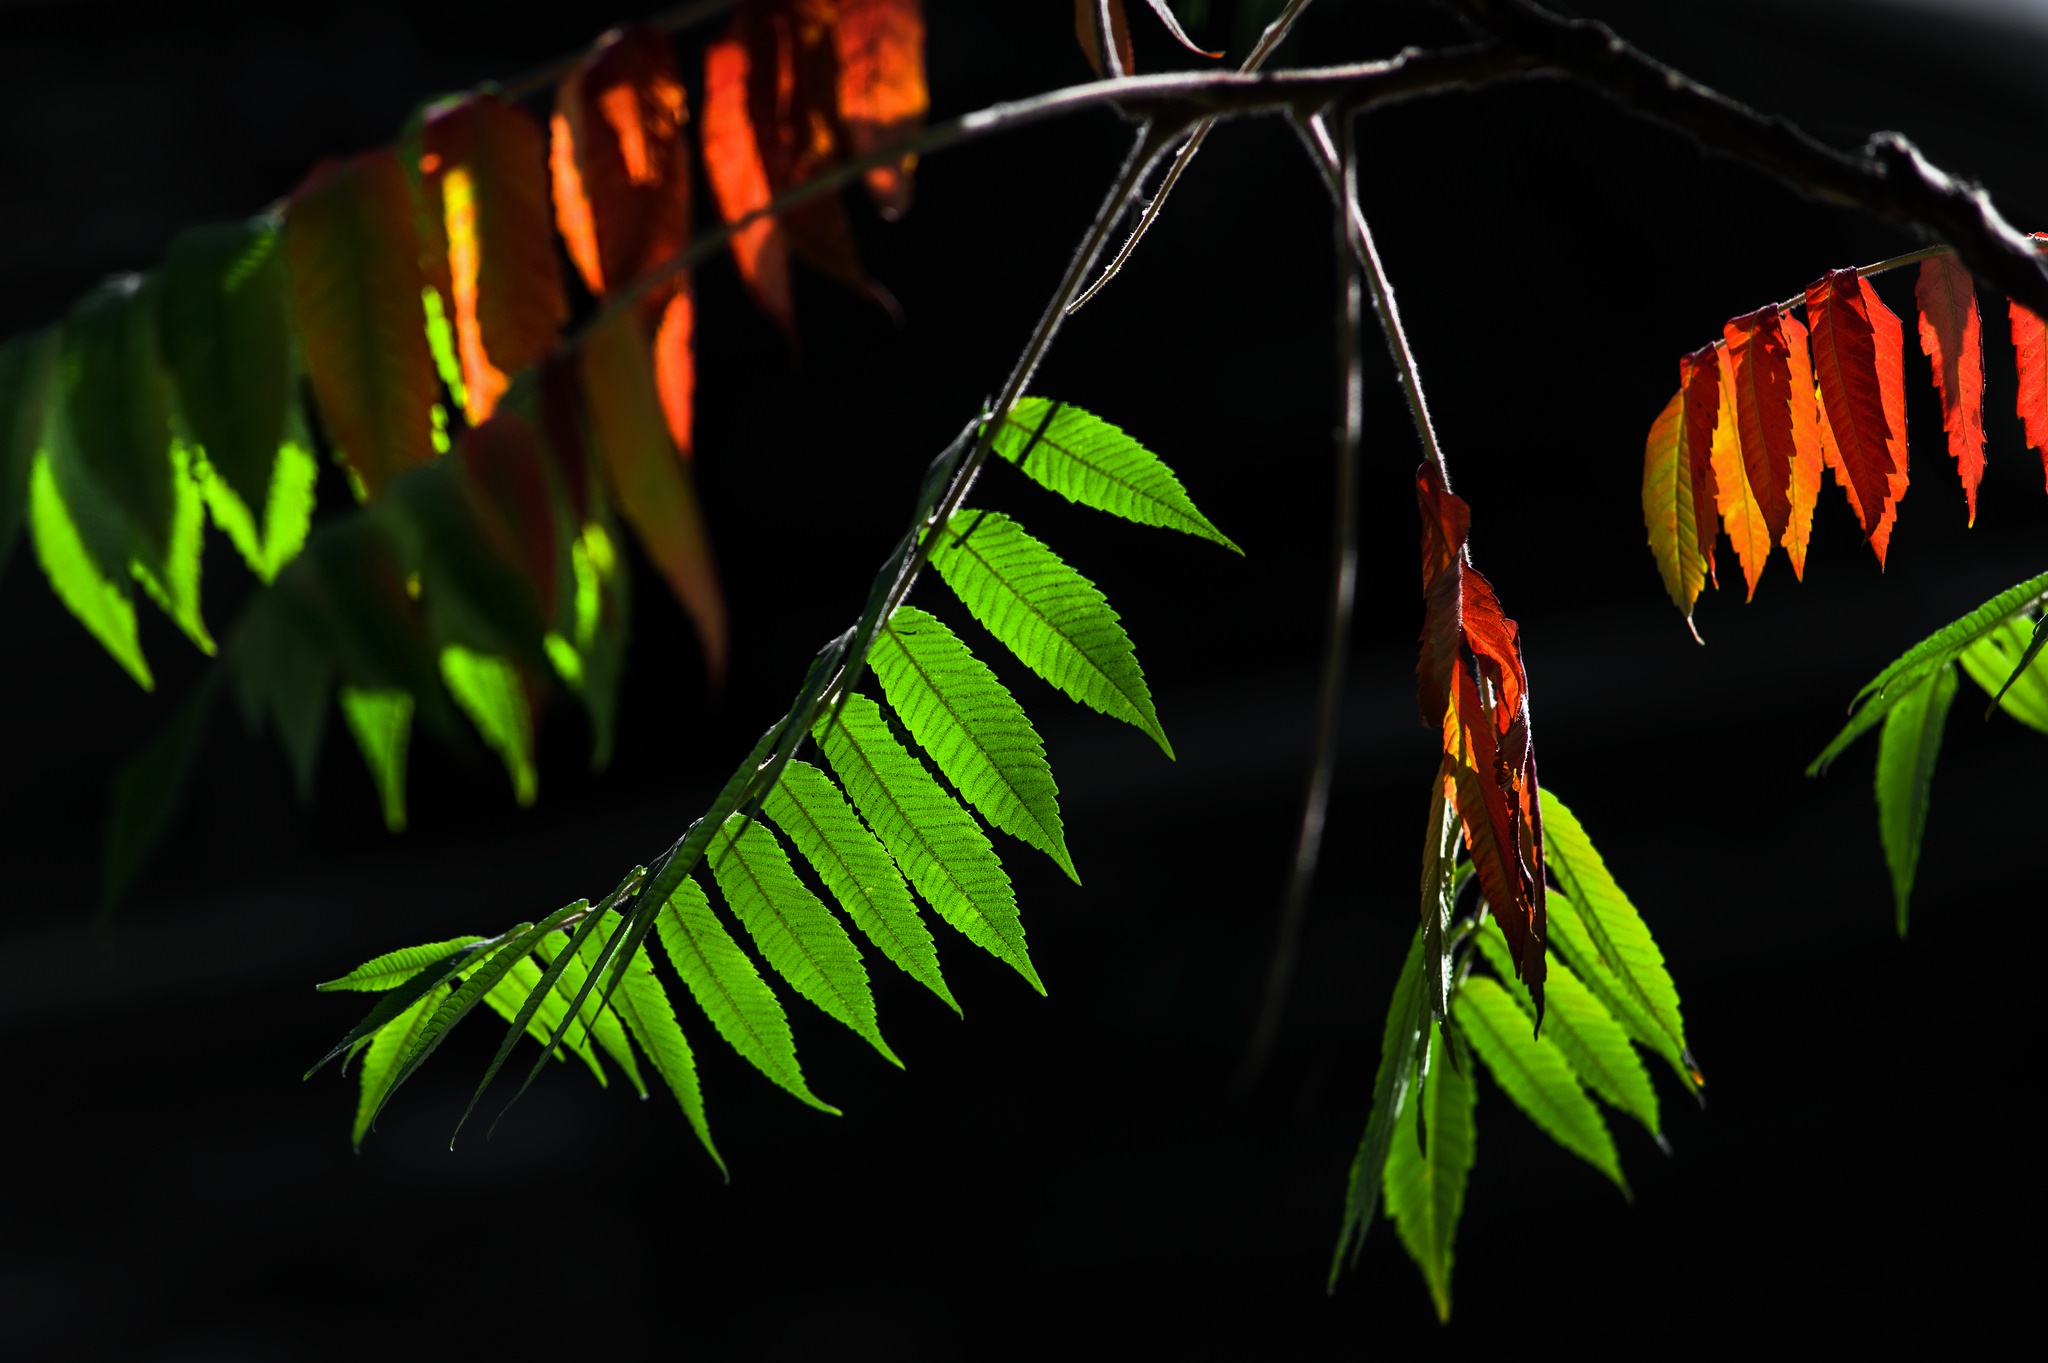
(1742, 514)
(653, 487)
(1699, 380)
(882, 92)
(1952, 338)
(353, 254)
(1807, 458)
(1087, 28)
(1472, 675)
(484, 164)
(1857, 356)
(506, 477)
(675, 368)
(739, 176)
(1758, 361)
(621, 163)
(2030, 354)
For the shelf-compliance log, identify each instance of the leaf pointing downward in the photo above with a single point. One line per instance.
(1807, 456)
(1425, 1188)
(882, 93)
(2030, 358)
(643, 1005)
(2003, 663)
(1761, 377)
(1667, 507)
(1952, 338)
(797, 933)
(1533, 1072)
(1742, 511)
(1055, 620)
(1857, 345)
(1905, 774)
(973, 728)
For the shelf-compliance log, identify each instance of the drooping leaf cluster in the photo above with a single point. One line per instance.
(404, 310)
(1607, 993)
(1761, 412)
(891, 825)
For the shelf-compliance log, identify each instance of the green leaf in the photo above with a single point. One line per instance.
(1390, 1089)
(148, 791)
(1534, 1072)
(793, 929)
(1050, 616)
(530, 1007)
(394, 968)
(1087, 460)
(390, 1045)
(857, 869)
(117, 408)
(729, 990)
(1913, 666)
(972, 727)
(597, 1020)
(490, 692)
(268, 543)
(173, 581)
(643, 1005)
(1994, 663)
(226, 335)
(397, 1000)
(100, 603)
(1604, 939)
(1905, 774)
(283, 673)
(1425, 1181)
(935, 842)
(1596, 1045)
(26, 366)
(382, 724)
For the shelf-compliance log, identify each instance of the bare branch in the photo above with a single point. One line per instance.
(1889, 177)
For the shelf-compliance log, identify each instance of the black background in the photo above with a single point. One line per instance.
(1075, 1169)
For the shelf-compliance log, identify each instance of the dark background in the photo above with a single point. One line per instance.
(1078, 1168)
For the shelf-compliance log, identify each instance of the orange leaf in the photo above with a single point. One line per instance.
(882, 92)
(505, 476)
(353, 254)
(1952, 338)
(485, 164)
(621, 163)
(739, 176)
(2030, 354)
(1742, 513)
(1087, 28)
(675, 367)
(1762, 383)
(1667, 509)
(653, 487)
(1699, 380)
(1857, 357)
(1807, 459)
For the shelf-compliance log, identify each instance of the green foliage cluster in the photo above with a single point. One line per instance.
(895, 816)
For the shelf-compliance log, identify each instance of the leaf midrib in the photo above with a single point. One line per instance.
(782, 920)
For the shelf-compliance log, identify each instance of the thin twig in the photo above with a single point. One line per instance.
(1315, 808)
(1269, 42)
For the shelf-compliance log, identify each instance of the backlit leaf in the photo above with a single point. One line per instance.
(1991, 661)
(484, 163)
(1699, 387)
(1759, 376)
(729, 989)
(595, 1019)
(226, 336)
(394, 968)
(857, 869)
(117, 409)
(352, 252)
(390, 1045)
(1425, 1188)
(973, 728)
(271, 533)
(1533, 1072)
(26, 367)
(1906, 753)
(2030, 358)
(1580, 1026)
(102, 604)
(791, 927)
(642, 1004)
(1667, 507)
(1087, 460)
(1742, 511)
(1808, 458)
(655, 493)
(1050, 616)
(738, 174)
(1392, 1082)
(935, 842)
(1857, 346)
(882, 93)
(1952, 338)
(381, 722)
(489, 690)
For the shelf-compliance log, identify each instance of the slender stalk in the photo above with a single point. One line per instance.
(1308, 843)
(1877, 268)
(1269, 42)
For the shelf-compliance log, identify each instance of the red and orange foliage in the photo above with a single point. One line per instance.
(353, 254)
(1760, 412)
(1470, 684)
(882, 94)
